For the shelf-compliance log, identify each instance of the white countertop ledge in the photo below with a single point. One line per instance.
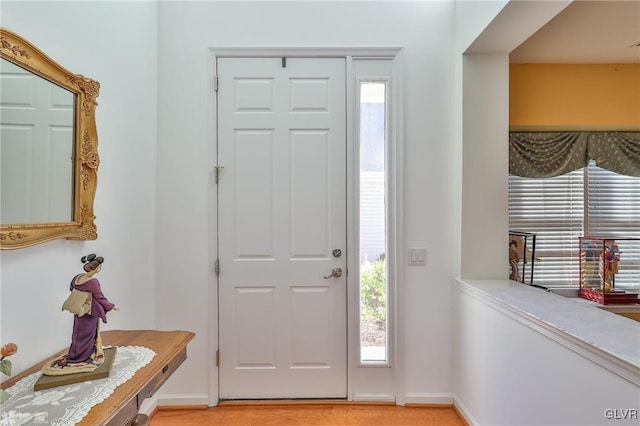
(610, 340)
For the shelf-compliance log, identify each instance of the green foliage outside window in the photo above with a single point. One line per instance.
(373, 291)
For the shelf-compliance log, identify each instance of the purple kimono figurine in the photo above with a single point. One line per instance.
(86, 352)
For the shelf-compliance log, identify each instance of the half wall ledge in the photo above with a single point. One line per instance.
(610, 340)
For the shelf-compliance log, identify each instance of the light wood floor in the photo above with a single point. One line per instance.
(326, 414)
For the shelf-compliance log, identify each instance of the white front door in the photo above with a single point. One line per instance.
(282, 228)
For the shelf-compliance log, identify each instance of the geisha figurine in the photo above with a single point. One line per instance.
(514, 258)
(85, 353)
(609, 259)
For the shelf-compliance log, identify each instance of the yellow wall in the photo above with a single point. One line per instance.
(574, 96)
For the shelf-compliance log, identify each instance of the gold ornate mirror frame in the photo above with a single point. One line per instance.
(22, 53)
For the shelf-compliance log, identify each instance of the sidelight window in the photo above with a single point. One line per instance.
(373, 219)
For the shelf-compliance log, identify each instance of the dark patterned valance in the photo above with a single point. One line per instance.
(549, 154)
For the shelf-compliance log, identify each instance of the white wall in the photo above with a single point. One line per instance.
(472, 18)
(506, 373)
(510, 375)
(486, 32)
(485, 165)
(425, 31)
(115, 44)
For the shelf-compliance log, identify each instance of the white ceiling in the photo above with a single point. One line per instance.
(586, 31)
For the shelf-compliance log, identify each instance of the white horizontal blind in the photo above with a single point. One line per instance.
(552, 208)
(614, 211)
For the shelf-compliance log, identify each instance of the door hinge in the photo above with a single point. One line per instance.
(215, 83)
(218, 358)
(217, 168)
(216, 267)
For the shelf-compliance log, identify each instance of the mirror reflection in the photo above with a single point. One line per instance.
(36, 148)
(48, 148)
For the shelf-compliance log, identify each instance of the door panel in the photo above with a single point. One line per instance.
(253, 172)
(310, 226)
(37, 146)
(282, 211)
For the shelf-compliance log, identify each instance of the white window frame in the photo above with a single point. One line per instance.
(386, 80)
(387, 375)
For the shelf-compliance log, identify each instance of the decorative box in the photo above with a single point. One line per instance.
(601, 260)
(522, 253)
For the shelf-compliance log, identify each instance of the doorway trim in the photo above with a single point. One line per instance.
(395, 220)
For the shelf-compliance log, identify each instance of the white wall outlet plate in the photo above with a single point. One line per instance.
(417, 256)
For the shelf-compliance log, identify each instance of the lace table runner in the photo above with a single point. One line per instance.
(68, 405)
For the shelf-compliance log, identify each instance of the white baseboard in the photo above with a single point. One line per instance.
(464, 412)
(179, 400)
(429, 398)
(374, 397)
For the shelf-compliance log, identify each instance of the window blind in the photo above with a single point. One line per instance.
(591, 201)
(553, 208)
(613, 210)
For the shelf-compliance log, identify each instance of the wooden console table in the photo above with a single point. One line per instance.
(122, 406)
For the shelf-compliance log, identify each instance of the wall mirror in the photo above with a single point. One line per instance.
(48, 148)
